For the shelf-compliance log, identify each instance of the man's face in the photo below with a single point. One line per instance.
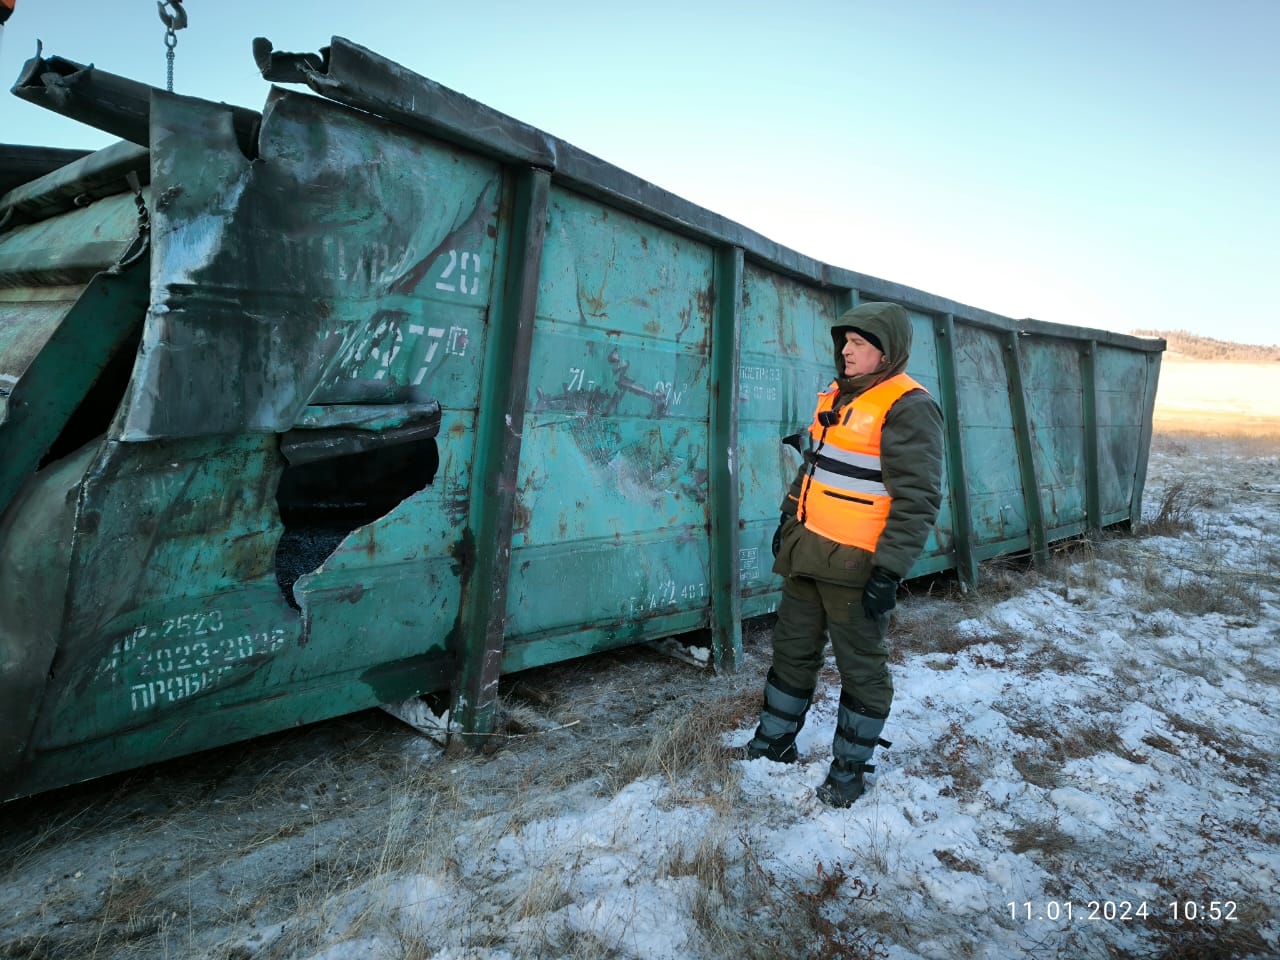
(859, 356)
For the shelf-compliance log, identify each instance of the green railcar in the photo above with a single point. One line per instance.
(380, 392)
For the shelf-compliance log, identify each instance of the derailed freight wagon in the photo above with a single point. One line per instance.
(381, 392)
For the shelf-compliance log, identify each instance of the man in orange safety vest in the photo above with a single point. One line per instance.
(854, 521)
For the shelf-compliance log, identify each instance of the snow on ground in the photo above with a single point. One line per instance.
(1082, 765)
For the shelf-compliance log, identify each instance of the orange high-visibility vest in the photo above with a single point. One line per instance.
(842, 495)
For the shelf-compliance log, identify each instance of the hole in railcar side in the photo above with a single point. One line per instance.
(321, 502)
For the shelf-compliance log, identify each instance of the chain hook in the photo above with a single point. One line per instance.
(175, 20)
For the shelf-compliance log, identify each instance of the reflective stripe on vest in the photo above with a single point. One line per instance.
(843, 496)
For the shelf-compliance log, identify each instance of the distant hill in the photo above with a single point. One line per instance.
(1206, 348)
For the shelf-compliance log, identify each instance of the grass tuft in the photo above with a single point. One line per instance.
(1180, 504)
(1043, 836)
(823, 917)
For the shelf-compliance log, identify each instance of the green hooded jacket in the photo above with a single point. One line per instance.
(910, 460)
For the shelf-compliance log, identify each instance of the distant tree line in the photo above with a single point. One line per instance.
(1207, 348)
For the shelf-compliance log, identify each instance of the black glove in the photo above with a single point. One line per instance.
(879, 594)
(777, 535)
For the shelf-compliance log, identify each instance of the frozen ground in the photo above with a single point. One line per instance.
(1083, 765)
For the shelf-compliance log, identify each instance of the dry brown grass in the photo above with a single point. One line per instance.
(1264, 675)
(1161, 743)
(1235, 751)
(709, 864)
(1043, 836)
(1055, 744)
(958, 758)
(930, 626)
(1205, 582)
(827, 916)
(1246, 435)
(955, 861)
(1038, 768)
(1180, 503)
(686, 751)
(1177, 938)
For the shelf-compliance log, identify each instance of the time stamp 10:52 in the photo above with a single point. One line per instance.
(1122, 910)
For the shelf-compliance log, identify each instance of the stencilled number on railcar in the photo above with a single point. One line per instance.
(578, 380)
(668, 593)
(693, 591)
(453, 339)
(665, 394)
(461, 273)
(160, 487)
(669, 394)
(181, 656)
(759, 383)
(184, 625)
(173, 673)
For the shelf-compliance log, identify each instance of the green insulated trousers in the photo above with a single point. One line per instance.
(812, 609)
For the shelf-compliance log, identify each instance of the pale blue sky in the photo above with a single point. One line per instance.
(1104, 164)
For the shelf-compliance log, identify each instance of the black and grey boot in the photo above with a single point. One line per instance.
(857, 736)
(781, 718)
(844, 783)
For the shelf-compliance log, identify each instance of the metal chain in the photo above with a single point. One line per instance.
(173, 20)
(170, 41)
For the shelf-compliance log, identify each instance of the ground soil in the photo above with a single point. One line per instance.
(188, 858)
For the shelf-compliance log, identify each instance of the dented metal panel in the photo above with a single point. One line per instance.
(355, 270)
(72, 290)
(389, 393)
(612, 486)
